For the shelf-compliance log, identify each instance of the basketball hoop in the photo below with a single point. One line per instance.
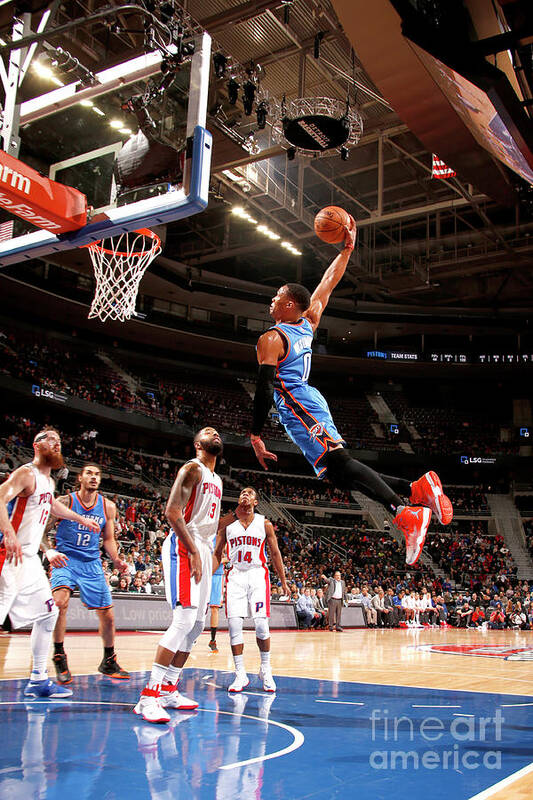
(119, 264)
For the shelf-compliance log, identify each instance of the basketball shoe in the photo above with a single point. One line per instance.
(265, 676)
(149, 706)
(110, 666)
(413, 521)
(62, 671)
(427, 491)
(45, 688)
(213, 646)
(241, 682)
(171, 698)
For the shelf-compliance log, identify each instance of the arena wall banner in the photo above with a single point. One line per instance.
(153, 614)
(149, 613)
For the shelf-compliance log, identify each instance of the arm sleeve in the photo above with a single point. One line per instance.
(264, 396)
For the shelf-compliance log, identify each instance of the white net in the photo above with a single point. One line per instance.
(119, 264)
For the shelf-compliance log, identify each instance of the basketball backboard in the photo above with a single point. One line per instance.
(72, 134)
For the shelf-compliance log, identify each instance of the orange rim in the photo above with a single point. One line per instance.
(156, 242)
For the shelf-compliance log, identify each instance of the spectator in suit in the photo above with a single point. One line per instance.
(335, 597)
(442, 610)
(378, 602)
(321, 609)
(391, 609)
(370, 611)
(305, 610)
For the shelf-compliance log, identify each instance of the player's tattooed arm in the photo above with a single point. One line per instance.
(218, 552)
(332, 276)
(269, 351)
(108, 536)
(186, 479)
(21, 483)
(275, 555)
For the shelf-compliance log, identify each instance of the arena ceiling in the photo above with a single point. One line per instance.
(464, 242)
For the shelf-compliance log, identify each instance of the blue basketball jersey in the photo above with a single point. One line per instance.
(303, 411)
(77, 540)
(294, 368)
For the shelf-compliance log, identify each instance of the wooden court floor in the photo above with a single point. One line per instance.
(396, 657)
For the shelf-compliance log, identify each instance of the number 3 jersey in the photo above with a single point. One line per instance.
(202, 512)
(76, 539)
(246, 546)
(303, 411)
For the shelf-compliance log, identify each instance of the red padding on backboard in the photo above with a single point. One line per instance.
(38, 200)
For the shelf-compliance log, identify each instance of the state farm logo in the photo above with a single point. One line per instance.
(17, 181)
(316, 430)
(21, 183)
(505, 651)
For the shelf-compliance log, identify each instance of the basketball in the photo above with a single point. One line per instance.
(331, 223)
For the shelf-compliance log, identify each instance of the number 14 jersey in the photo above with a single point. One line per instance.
(246, 546)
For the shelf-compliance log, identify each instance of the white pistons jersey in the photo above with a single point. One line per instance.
(246, 546)
(29, 515)
(202, 512)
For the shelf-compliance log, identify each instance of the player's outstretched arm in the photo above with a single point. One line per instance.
(21, 482)
(187, 478)
(275, 555)
(108, 536)
(54, 557)
(330, 279)
(269, 351)
(62, 511)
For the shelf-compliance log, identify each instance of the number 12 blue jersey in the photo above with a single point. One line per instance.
(76, 539)
(303, 411)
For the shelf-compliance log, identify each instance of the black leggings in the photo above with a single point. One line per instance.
(345, 472)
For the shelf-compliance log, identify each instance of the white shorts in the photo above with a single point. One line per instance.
(180, 587)
(25, 592)
(248, 592)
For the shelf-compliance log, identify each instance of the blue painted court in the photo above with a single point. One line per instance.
(313, 739)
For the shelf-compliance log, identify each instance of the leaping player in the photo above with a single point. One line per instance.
(26, 501)
(284, 356)
(78, 565)
(248, 584)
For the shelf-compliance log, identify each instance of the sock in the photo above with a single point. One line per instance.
(345, 472)
(157, 676)
(400, 485)
(239, 663)
(265, 659)
(172, 675)
(108, 652)
(41, 636)
(58, 649)
(213, 634)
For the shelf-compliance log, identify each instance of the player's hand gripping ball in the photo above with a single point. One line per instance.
(331, 224)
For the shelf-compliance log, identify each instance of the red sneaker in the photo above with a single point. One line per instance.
(427, 491)
(413, 521)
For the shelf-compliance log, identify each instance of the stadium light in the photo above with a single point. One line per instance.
(43, 71)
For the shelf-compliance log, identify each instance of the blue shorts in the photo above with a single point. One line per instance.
(88, 577)
(216, 589)
(306, 417)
